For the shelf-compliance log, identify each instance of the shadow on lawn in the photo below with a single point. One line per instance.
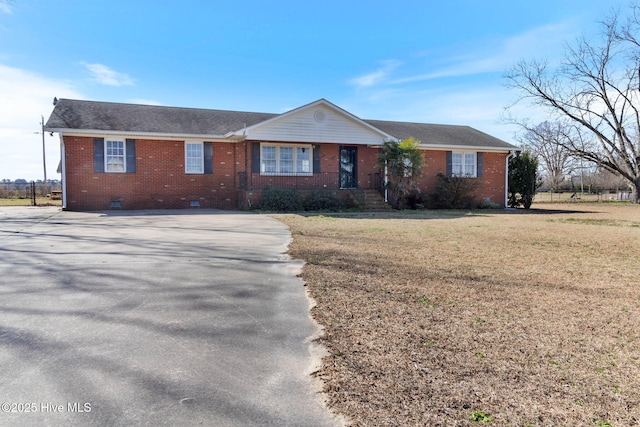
(443, 213)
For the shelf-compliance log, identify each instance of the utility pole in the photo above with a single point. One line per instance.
(44, 160)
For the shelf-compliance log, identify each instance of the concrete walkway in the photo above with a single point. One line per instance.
(152, 318)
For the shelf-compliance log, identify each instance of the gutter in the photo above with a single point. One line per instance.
(485, 149)
(63, 172)
(386, 183)
(229, 137)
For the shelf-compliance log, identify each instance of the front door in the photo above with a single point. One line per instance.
(348, 166)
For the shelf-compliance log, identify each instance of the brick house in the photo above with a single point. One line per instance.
(149, 157)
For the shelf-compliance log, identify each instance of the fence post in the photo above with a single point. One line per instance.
(33, 193)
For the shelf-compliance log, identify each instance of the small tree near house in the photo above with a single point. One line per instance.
(402, 162)
(524, 179)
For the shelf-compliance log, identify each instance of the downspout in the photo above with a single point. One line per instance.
(506, 178)
(63, 172)
(386, 181)
(247, 177)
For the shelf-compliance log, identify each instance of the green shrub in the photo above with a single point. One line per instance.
(487, 203)
(416, 199)
(524, 179)
(402, 161)
(323, 201)
(280, 200)
(454, 192)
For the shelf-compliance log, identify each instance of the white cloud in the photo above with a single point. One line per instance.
(143, 101)
(499, 56)
(464, 65)
(106, 76)
(25, 97)
(480, 107)
(460, 84)
(377, 76)
(473, 58)
(5, 8)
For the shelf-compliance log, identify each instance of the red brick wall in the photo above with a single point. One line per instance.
(159, 181)
(330, 163)
(491, 184)
(367, 158)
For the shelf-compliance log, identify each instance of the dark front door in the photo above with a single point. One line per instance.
(348, 166)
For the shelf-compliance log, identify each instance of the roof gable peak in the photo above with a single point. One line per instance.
(319, 116)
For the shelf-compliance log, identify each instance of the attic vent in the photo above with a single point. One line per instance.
(319, 116)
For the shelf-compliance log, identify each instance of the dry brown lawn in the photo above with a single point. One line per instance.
(508, 317)
(40, 201)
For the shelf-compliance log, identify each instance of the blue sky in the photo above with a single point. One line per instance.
(424, 61)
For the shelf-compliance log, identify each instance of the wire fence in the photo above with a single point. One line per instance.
(577, 196)
(30, 193)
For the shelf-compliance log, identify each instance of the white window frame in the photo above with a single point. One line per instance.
(192, 170)
(108, 165)
(463, 167)
(293, 162)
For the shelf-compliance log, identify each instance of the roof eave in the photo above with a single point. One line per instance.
(155, 135)
(445, 147)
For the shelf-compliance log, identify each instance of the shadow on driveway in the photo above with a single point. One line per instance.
(152, 318)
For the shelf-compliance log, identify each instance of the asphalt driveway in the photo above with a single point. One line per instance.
(152, 318)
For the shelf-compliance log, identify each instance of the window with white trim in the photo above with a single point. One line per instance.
(285, 159)
(193, 157)
(115, 155)
(463, 164)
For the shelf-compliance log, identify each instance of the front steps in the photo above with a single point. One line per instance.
(373, 201)
(370, 200)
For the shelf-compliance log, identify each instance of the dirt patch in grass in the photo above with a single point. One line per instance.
(452, 318)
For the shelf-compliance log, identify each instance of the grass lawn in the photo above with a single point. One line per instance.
(40, 201)
(451, 318)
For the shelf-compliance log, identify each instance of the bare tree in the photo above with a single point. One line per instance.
(547, 141)
(597, 90)
(604, 180)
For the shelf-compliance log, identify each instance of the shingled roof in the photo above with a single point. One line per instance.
(71, 114)
(440, 135)
(107, 116)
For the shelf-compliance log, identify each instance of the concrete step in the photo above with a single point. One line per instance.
(373, 201)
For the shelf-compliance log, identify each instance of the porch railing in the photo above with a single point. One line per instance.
(318, 181)
(378, 183)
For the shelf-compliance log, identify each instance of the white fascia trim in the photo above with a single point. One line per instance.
(464, 148)
(453, 148)
(148, 135)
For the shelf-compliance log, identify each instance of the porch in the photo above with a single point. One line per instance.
(369, 195)
(317, 181)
